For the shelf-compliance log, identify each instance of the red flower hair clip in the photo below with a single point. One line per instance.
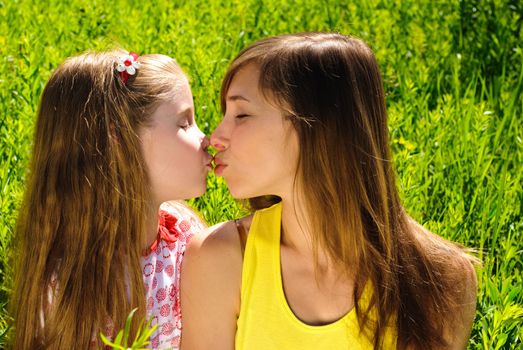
(127, 65)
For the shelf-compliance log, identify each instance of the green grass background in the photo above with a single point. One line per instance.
(453, 77)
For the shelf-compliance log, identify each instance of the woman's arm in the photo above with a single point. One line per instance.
(461, 267)
(460, 316)
(459, 333)
(210, 289)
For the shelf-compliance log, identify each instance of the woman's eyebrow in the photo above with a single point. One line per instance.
(236, 98)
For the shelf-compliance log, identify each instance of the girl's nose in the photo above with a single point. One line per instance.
(205, 142)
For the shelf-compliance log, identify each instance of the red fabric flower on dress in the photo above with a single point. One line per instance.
(167, 230)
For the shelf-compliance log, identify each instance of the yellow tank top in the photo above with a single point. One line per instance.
(266, 321)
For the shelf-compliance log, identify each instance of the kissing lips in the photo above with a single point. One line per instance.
(218, 169)
(208, 165)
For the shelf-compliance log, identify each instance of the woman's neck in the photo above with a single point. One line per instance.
(297, 233)
(296, 229)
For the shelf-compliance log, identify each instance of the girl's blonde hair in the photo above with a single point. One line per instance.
(80, 229)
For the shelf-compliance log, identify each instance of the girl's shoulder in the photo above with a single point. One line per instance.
(177, 224)
(179, 219)
(178, 215)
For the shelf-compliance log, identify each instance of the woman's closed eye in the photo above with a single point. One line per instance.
(242, 116)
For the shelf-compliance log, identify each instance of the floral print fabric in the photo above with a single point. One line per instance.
(161, 273)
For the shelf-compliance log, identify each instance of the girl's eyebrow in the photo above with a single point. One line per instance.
(186, 113)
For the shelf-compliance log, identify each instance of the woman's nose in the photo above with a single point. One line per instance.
(218, 138)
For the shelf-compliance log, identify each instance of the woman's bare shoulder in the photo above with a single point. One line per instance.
(214, 257)
(220, 238)
(211, 287)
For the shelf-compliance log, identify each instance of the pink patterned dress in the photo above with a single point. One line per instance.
(161, 273)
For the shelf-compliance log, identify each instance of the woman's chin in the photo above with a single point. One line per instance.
(238, 193)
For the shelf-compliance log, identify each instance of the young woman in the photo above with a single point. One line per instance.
(115, 138)
(330, 259)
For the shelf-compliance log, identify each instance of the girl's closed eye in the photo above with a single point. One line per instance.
(186, 122)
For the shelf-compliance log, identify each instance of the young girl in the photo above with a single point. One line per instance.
(115, 138)
(330, 259)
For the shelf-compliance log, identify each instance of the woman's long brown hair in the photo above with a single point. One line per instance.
(80, 229)
(330, 86)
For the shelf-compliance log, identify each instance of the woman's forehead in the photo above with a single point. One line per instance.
(245, 82)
